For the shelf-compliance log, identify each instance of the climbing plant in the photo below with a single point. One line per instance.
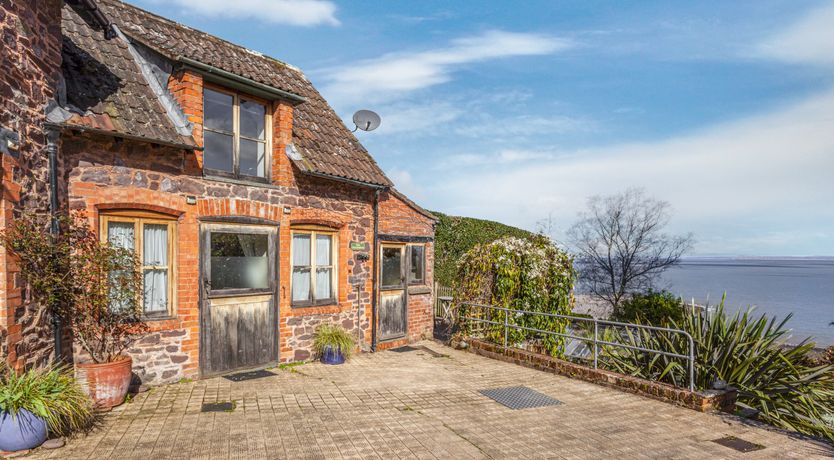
(532, 275)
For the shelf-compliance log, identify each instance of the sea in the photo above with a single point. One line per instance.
(777, 287)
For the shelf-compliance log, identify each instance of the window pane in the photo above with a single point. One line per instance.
(391, 267)
(121, 234)
(324, 252)
(217, 110)
(218, 151)
(300, 284)
(252, 118)
(301, 250)
(416, 268)
(323, 278)
(239, 261)
(156, 291)
(155, 243)
(252, 158)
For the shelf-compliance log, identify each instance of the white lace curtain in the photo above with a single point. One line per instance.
(155, 253)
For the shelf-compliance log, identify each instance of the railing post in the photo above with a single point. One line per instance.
(691, 364)
(506, 326)
(596, 345)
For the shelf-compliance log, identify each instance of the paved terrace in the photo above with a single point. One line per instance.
(413, 405)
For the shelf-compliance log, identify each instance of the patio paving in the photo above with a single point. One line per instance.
(413, 405)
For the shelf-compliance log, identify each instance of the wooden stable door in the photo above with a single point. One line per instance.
(393, 297)
(239, 320)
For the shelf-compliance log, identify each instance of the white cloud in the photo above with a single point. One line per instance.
(769, 169)
(810, 40)
(292, 12)
(525, 126)
(417, 119)
(400, 73)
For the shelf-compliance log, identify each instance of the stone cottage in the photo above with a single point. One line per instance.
(255, 213)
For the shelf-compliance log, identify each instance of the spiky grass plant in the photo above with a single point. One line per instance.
(335, 337)
(746, 351)
(51, 393)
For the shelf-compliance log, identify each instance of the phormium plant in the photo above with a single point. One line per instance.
(748, 353)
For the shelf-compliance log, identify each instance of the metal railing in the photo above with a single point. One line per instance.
(596, 340)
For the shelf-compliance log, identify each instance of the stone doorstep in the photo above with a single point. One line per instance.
(701, 401)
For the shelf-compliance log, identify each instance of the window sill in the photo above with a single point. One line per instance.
(158, 318)
(230, 180)
(419, 289)
(320, 303)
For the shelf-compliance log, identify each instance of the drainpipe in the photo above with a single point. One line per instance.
(375, 270)
(52, 151)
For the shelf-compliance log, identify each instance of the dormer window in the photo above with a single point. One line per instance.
(235, 136)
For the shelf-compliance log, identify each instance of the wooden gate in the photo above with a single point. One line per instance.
(239, 319)
(393, 301)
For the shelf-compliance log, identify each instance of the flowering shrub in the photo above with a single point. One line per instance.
(519, 274)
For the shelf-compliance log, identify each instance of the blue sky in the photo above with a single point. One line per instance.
(517, 113)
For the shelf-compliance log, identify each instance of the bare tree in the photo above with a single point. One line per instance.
(620, 244)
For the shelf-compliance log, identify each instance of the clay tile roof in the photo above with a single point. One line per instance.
(326, 145)
(105, 89)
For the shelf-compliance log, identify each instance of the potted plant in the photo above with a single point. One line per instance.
(333, 344)
(106, 314)
(95, 285)
(37, 401)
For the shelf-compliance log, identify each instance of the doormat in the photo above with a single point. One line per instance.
(738, 444)
(227, 406)
(403, 349)
(250, 375)
(519, 397)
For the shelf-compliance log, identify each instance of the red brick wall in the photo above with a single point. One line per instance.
(397, 217)
(30, 62)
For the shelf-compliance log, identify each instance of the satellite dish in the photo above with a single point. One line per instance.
(366, 120)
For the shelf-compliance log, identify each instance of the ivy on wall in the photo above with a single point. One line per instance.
(518, 274)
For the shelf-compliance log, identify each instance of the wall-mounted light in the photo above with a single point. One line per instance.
(191, 199)
(287, 210)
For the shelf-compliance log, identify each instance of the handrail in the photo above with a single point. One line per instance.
(596, 340)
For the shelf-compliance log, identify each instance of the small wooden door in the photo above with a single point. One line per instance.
(393, 302)
(239, 321)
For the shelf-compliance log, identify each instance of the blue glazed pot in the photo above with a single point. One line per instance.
(22, 431)
(332, 356)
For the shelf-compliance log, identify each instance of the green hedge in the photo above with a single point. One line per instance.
(454, 236)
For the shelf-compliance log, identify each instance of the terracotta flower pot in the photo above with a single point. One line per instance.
(106, 383)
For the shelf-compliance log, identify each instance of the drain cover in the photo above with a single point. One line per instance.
(218, 407)
(404, 349)
(241, 376)
(519, 397)
(738, 444)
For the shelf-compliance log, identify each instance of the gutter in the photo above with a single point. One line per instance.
(345, 179)
(105, 132)
(234, 80)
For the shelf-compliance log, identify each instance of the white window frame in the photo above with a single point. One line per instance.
(334, 267)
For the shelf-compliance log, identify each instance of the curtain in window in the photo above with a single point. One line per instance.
(301, 267)
(155, 252)
(120, 234)
(324, 255)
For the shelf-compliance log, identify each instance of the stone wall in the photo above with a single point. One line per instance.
(159, 357)
(300, 331)
(30, 61)
(104, 174)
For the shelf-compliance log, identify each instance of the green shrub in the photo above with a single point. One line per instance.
(745, 351)
(653, 307)
(51, 393)
(334, 336)
(455, 236)
(518, 274)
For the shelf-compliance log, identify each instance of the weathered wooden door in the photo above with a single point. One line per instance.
(239, 321)
(393, 311)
